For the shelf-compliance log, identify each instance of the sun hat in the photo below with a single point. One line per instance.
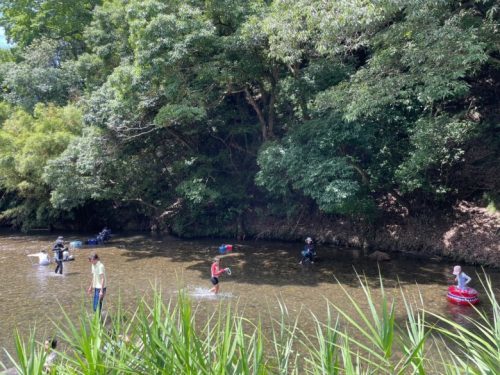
(457, 270)
(309, 239)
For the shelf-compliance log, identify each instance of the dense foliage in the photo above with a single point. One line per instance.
(192, 114)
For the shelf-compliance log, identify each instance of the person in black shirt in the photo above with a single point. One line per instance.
(58, 250)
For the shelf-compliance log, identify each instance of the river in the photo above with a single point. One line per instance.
(262, 274)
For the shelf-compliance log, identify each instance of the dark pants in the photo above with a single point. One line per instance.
(59, 266)
(307, 256)
(97, 300)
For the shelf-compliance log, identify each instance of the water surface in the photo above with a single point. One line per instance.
(263, 273)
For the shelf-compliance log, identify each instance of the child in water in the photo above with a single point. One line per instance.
(216, 271)
(461, 278)
(308, 253)
(58, 250)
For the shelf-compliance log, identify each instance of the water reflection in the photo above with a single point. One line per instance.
(461, 314)
(262, 274)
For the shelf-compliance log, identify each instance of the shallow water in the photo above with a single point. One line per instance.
(263, 273)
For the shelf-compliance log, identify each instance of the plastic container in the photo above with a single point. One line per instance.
(222, 249)
(75, 244)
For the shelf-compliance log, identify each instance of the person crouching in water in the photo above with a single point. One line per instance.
(216, 271)
(308, 253)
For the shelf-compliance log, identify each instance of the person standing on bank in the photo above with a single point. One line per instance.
(98, 282)
(58, 250)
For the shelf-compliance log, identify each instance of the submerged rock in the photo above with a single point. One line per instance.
(379, 256)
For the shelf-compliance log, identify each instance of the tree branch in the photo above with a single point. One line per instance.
(260, 115)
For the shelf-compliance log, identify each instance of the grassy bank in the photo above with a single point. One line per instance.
(167, 338)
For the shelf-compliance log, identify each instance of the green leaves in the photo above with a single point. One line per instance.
(41, 75)
(179, 114)
(324, 166)
(29, 143)
(414, 63)
(27, 20)
(437, 143)
(338, 102)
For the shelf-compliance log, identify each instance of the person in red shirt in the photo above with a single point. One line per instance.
(216, 271)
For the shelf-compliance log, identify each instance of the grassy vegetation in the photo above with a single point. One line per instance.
(166, 338)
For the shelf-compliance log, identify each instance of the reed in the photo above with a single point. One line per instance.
(166, 338)
(30, 355)
(478, 349)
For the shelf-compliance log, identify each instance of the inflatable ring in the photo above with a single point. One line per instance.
(466, 296)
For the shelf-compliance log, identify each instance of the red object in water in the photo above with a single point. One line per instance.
(467, 296)
(229, 247)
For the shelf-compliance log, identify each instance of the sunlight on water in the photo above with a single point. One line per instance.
(205, 293)
(263, 273)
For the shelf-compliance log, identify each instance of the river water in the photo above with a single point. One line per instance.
(263, 273)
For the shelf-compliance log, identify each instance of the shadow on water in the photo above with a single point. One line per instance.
(262, 274)
(276, 263)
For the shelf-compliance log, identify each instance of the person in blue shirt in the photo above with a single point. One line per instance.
(461, 278)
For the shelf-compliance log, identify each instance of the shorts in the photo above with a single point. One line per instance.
(214, 280)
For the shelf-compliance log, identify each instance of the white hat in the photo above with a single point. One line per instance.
(309, 239)
(457, 270)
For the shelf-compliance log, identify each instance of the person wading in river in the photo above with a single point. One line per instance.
(309, 253)
(98, 282)
(58, 250)
(216, 271)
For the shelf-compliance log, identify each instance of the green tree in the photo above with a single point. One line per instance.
(40, 75)
(409, 102)
(63, 20)
(27, 143)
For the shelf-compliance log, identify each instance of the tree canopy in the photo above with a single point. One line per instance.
(192, 114)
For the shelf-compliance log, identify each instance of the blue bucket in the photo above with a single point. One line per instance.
(92, 241)
(222, 249)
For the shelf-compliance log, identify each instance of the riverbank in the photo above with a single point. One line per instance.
(468, 233)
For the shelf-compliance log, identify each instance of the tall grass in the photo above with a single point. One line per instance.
(478, 348)
(166, 338)
(31, 355)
